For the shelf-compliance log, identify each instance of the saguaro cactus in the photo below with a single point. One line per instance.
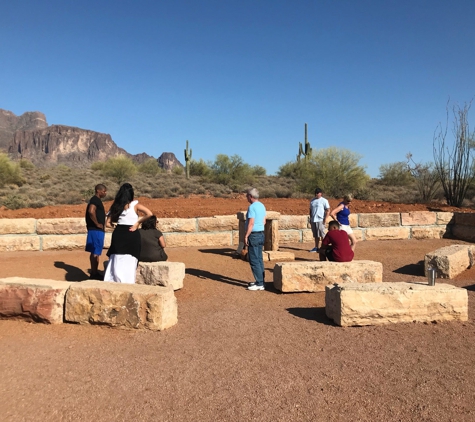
(304, 151)
(188, 153)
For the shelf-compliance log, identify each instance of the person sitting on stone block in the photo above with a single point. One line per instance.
(336, 245)
(153, 242)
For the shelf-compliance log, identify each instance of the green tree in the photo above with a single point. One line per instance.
(426, 177)
(395, 174)
(150, 167)
(119, 168)
(232, 171)
(199, 168)
(9, 172)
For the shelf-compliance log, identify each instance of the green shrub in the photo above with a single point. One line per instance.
(150, 167)
(119, 168)
(10, 173)
(14, 202)
(395, 174)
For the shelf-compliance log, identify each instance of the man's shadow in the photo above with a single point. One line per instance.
(72, 273)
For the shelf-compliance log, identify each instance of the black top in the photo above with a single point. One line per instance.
(100, 213)
(151, 249)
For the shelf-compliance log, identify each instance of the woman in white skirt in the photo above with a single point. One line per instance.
(124, 251)
(342, 214)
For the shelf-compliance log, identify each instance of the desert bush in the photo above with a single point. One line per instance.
(395, 174)
(178, 170)
(9, 172)
(119, 168)
(232, 171)
(150, 167)
(25, 164)
(199, 168)
(14, 202)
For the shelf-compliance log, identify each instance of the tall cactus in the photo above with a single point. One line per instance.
(188, 153)
(307, 151)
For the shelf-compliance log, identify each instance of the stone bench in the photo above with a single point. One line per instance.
(313, 276)
(162, 273)
(351, 304)
(450, 261)
(36, 300)
(121, 305)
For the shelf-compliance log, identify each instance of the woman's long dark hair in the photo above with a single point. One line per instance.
(124, 196)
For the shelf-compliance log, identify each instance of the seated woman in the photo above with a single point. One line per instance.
(153, 242)
(335, 245)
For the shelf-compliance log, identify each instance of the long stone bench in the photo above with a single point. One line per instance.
(351, 304)
(450, 261)
(121, 305)
(313, 276)
(164, 273)
(36, 300)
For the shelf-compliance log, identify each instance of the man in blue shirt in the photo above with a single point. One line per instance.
(319, 210)
(254, 237)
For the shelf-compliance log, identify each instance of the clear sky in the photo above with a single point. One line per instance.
(240, 76)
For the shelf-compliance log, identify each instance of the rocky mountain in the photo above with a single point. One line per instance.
(10, 123)
(168, 161)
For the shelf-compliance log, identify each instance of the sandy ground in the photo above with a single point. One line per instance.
(237, 355)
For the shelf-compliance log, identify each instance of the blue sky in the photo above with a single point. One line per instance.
(243, 77)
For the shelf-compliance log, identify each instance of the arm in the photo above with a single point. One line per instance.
(325, 217)
(250, 225)
(336, 211)
(147, 214)
(92, 214)
(161, 242)
(109, 222)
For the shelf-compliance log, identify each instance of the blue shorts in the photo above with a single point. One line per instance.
(95, 241)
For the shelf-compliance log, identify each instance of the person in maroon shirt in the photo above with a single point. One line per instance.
(336, 245)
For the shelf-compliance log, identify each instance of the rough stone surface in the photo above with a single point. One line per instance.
(450, 261)
(464, 219)
(387, 233)
(17, 226)
(289, 236)
(33, 299)
(418, 218)
(464, 232)
(313, 276)
(218, 223)
(19, 243)
(307, 235)
(354, 220)
(429, 232)
(278, 256)
(163, 273)
(70, 241)
(61, 226)
(445, 218)
(270, 215)
(351, 304)
(121, 305)
(271, 235)
(292, 222)
(176, 225)
(199, 239)
(379, 220)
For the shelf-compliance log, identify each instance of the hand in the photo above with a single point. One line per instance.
(246, 241)
(134, 227)
(100, 226)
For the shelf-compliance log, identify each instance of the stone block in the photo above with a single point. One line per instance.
(270, 215)
(387, 233)
(271, 235)
(164, 273)
(464, 218)
(359, 234)
(351, 304)
(418, 218)
(17, 225)
(121, 305)
(379, 220)
(353, 218)
(218, 223)
(278, 256)
(199, 239)
(177, 225)
(61, 226)
(19, 243)
(463, 232)
(69, 242)
(445, 218)
(307, 235)
(30, 299)
(289, 236)
(313, 276)
(451, 260)
(293, 222)
(437, 232)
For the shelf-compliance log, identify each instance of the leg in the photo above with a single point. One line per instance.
(94, 259)
(256, 242)
(352, 241)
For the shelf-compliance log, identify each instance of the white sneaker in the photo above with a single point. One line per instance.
(254, 286)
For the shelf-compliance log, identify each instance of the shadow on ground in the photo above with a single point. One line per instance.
(412, 269)
(312, 314)
(72, 273)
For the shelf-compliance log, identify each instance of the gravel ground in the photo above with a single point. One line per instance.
(237, 355)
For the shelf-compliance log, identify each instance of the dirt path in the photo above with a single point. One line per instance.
(237, 355)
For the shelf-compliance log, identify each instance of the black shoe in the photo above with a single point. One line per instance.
(96, 277)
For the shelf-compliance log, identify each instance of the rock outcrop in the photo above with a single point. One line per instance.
(168, 161)
(10, 123)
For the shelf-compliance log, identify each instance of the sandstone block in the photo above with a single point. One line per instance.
(464, 219)
(313, 276)
(418, 218)
(199, 239)
(451, 260)
(19, 243)
(71, 241)
(351, 304)
(61, 226)
(289, 236)
(218, 223)
(429, 232)
(176, 225)
(17, 225)
(445, 218)
(270, 215)
(278, 256)
(293, 222)
(36, 300)
(387, 233)
(121, 305)
(463, 232)
(380, 220)
(354, 220)
(164, 273)
(271, 235)
(307, 235)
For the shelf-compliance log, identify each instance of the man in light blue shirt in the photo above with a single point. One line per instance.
(319, 210)
(254, 238)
